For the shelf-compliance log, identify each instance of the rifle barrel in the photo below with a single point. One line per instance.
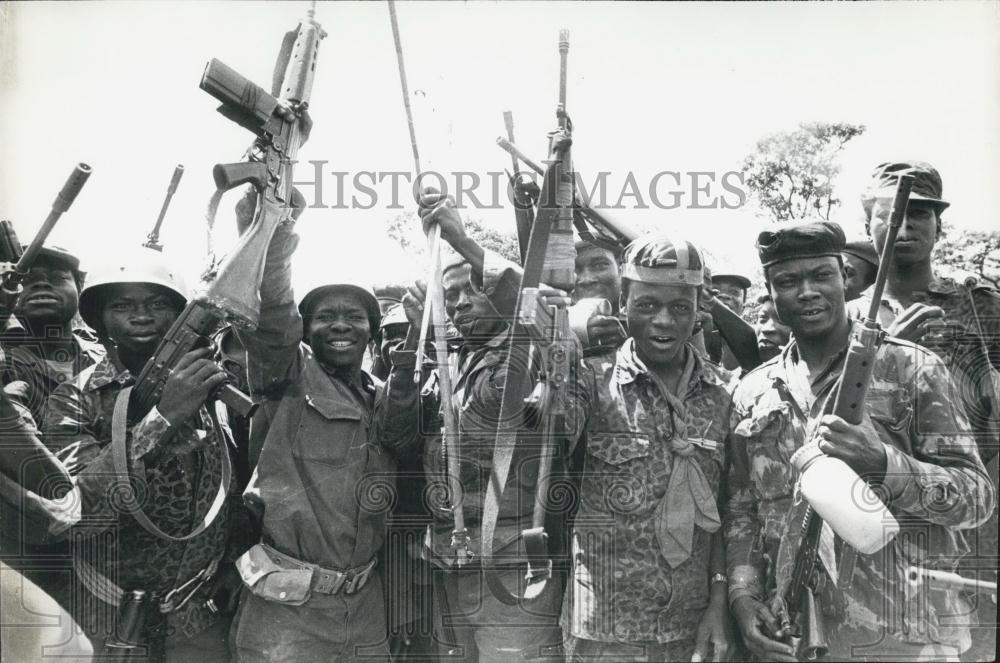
(153, 240)
(896, 216)
(944, 580)
(62, 203)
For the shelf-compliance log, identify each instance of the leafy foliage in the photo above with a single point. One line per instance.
(790, 174)
(961, 253)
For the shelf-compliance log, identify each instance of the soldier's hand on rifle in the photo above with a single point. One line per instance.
(191, 382)
(436, 207)
(753, 617)
(413, 303)
(555, 297)
(912, 323)
(857, 445)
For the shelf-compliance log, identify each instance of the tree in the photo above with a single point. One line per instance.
(405, 229)
(961, 253)
(790, 174)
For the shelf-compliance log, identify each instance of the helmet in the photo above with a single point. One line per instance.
(663, 260)
(141, 266)
(365, 292)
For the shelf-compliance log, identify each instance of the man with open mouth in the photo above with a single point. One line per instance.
(648, 581)
(914, 445)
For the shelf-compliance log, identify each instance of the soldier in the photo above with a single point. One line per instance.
(861, 267)
(649, 579)
(323, 482)
(598, 277)
(177, 453)
(958, 321)
(772, 334)
(913, 445)
(47, 350)
(471, 624)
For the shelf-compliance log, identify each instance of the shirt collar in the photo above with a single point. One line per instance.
(628, 367)
(105, 372)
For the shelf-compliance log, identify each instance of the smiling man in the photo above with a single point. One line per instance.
(649, 578)
(323, 484)
(914, 445)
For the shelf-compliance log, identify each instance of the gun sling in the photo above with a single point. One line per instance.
(119, 454)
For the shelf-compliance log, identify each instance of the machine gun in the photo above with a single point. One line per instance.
(541, 405)
(802, 623)
(153, 238)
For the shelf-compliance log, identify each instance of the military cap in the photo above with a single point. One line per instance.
(927, 184)
(663, 260)
(806, 240)
(864, 249)
(743, 281)
(58, 255)
(395, 315)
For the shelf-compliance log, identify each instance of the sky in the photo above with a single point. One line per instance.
(652, 87)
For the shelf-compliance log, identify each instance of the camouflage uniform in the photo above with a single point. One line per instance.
(971, 350)
(624, 589)
(180, 485)
(935, 483)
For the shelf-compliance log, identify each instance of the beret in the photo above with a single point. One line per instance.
(806, 240)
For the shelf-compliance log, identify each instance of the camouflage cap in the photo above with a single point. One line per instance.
(663, 260)
(389, 292)
(743, 281)
(864, 249)
(806, 240)
(927, 183)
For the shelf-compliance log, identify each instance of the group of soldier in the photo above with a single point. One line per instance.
(325, 528)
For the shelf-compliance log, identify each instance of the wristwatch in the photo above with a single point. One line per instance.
(718, 577)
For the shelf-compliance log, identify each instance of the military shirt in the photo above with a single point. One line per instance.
(26, 363)
(935, 486)
(637, 435)
(176, 483)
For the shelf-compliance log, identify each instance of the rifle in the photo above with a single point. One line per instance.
(549, 258)
(593, 226)
(802, 622)
(273, 119)
(153, 238)
(20, 263)
(523, 204)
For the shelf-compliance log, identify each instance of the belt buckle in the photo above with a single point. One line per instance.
(330, 582)
(359, 580)
(167, 605)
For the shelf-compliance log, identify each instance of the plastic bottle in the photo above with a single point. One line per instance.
(844, 500)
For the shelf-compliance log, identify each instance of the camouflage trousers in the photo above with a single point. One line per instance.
(579, 650)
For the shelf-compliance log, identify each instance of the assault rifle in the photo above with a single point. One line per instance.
(549, 258)
(592, 225)
(802, 622)
(153, 238)
(524, 215)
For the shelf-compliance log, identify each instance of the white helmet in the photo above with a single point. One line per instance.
(139, 266)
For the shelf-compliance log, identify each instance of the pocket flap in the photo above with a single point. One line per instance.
(254, 564)
(331, 408)
(617, 449)
(269, 581)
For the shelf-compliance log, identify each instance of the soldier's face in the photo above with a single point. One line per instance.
(730, 293)
(917, 234)
(597, 275)
(860, 274)
(338, 330)
(469, 309)
(808, 295)
(136, 316)
(772, 333)
(661, 319)
(50, 295)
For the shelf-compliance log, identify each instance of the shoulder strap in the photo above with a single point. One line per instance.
(119, 454)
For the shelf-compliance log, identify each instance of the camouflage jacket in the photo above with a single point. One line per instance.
(970, 348)
(25, 362)
(637, 436)
(935, 483)
(176, 483)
